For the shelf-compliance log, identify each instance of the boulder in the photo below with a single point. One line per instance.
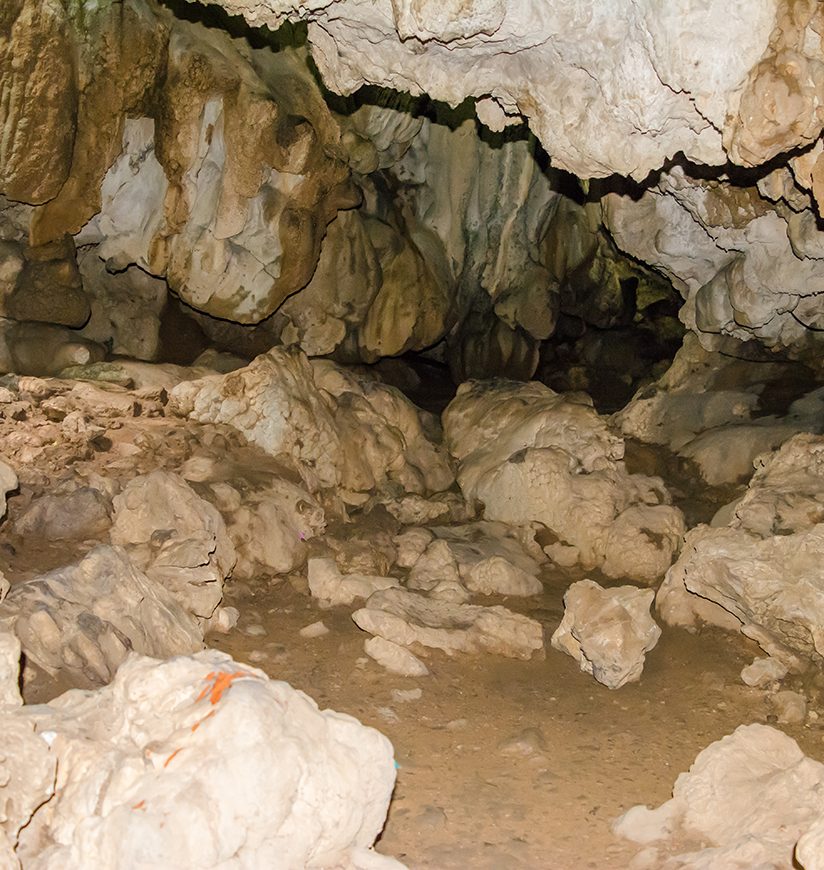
(193, 762)
(531, 455)
(407, 618)
(608, 631)
(176, 537)
(85, 619)
(745, 802)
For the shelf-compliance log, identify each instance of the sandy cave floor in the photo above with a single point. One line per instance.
(502, 763)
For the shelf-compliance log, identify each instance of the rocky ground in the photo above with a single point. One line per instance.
(508, 754)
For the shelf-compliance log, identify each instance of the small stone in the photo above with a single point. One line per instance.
(763, 671)
(403, 696)
(395, 658)
(254, 630)
(526, 742)
(257, 655)
(225, 619)
(388, 715)
(316, 629)
(790, 707)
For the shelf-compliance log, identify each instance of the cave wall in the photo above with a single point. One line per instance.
(146, 147)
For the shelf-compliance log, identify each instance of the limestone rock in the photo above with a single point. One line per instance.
(407, 618)
(176, 537)
(547, 64)
(86, 618)
(276, 405)
(336, 430)
(43, 349)
(761, 672)
(332, 588)
(269, 528)
(395, 658)
(173, 749)
(384, 437)
(693, 411)
(9, 669)
(790, 707)
(758, 573)
(608, 631)
(750, 796)
(531, 455)
(8, 482)
(82, 513)
(125, 307)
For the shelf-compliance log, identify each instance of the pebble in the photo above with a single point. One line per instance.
(763, 671)
(316, 629)
(403, 696)
(254, 630)
(257, 655)
(790, 707)
(226, 619)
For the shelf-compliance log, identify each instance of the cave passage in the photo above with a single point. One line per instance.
(411, 434)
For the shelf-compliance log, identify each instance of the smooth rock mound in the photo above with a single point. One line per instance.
(194, 762)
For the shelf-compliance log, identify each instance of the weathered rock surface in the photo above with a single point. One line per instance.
(176, 537)
(197, 761)
(86, 618)
(488, 558)
(760, 572)
(529, 455)
(706, 408)
(395, 658)
(332, 588)
(408, 618)
(82, 513)
(624, 103)
(608, 631)
(338, 432)
(748, 798)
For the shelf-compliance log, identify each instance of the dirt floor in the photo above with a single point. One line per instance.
(501, 763)
(512, 764)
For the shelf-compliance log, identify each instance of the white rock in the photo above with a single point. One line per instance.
(176, 537)
(758, 573)
(764, 671)
(790, 707)
(750, 796)
(332, 588)
(9, 669)
(497, 576)
(8, 482)
(171, 750)
(87, 617)
(531, 455)
(407, 618)
(315, 629)
(269, 528)
(608, 631)
(396, 659)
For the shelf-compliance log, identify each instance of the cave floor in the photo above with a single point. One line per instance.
(501, 763)
(505, 763)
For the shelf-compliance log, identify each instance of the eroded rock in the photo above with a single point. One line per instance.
(171, 750)
(607, 631)
(406, 618)
(749, 797)
(86, 618)
(532, 455)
